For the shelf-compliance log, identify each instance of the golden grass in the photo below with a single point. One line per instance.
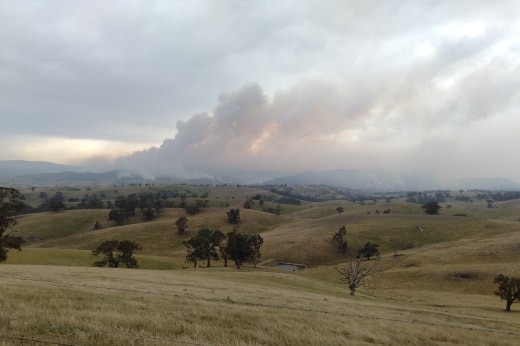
(438, 292)
(227, 307)
(301, 236)
(50, 225)
(84, 258)
(73, 229)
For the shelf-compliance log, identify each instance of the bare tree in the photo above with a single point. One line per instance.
(354, 274)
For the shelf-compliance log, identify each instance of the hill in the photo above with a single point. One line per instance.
(10, 168)
(300, 234)
(377, 181)
(434, 283)
(254, 307)
(36, 173)
(357, 180)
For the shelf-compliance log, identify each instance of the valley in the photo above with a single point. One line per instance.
(434, 281)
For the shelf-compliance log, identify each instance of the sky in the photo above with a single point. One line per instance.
(194, 87)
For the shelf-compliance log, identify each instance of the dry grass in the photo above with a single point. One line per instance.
(47, 226)
(73, 229)
(438, 292)
(84, 258)
(100, 306)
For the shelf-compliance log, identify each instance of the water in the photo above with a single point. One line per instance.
(289, 266)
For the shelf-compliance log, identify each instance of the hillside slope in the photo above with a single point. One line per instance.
(434, 282)
(227, 307)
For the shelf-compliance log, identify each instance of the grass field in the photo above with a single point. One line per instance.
(437, 291)
(86, 306)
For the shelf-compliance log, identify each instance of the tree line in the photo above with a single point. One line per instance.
(60, 201)
(212, 244)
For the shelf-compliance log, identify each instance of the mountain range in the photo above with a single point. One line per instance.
(40, 173)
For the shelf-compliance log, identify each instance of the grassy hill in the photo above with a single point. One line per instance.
(86, 306)
(433, 287)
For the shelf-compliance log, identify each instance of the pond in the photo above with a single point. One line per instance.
(290, 266)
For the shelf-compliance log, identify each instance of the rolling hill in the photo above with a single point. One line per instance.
(35, 173)
(434, 283)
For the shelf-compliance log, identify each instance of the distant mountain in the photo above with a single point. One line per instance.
(42, 173)
(359, 180)
(384, 181)
(12, 168)
(493, 183)
(39, 173)
(73, 179)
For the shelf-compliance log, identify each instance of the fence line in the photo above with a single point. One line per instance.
(40, 341)
(99, 331)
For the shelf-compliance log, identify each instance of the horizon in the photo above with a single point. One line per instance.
(42, 173)
(198, 88)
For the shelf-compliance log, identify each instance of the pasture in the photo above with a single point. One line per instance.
(433, 287)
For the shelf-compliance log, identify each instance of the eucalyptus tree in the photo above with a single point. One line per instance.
(508, 289)
(115, 252)
(11, 203)
(204, 245)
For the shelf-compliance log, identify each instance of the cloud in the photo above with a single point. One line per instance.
(65, 150)
(401, 121)
(312, 124)
(302, 85)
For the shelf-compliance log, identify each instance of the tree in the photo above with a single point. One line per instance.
(354, 274)
(183, 200)
(128, 204)
(126, 250)
(369, 250)
(106, 249)
(248, 204)
(338, 239)
(120, 216)
(203, 246)
(255, 243)
(202, 203)
(508, 289)
(192, 209)
(182, 224)
(242, 247)
(56, 203)
(233, 216)
(149, 213)
(124, 253)
(237, 247)
(92, 202)
(223, 251)
(431, 208)
(193, 254)
(10, 205)
(340, 210)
